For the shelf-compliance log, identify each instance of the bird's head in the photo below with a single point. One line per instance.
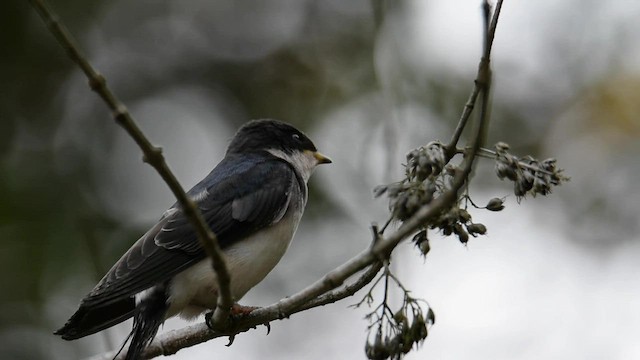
(281, 140)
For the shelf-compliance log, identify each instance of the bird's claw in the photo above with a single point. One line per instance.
(237, 311)
(207, 320)
(231, 339)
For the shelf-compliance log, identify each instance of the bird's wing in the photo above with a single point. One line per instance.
(235, 201)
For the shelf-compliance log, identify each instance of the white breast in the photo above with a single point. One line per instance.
(248, 261)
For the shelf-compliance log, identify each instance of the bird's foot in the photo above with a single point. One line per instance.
(237, 311)
(240, 310)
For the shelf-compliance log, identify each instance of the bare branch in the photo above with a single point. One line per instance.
(152, 154)
(345, 292)
(170, 342)
(489, 35)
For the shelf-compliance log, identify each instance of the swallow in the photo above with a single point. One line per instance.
(252, 200)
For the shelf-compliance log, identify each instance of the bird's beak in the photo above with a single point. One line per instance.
(321, 158)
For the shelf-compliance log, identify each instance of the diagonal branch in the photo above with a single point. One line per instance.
(170, 342)
(489, 35)
(152, 154)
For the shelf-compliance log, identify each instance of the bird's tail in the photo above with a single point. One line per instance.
(149, 315)
(91, 319)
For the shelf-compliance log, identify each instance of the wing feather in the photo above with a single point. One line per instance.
(242, 198)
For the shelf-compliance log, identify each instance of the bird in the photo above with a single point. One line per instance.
(252, 200)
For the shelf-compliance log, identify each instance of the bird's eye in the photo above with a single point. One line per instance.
(296, 137)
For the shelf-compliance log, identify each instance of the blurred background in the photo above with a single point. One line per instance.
(555, 278)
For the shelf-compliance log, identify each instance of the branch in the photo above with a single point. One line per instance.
(152, 155)
(345, 292)
(489, 35)
(170, 342)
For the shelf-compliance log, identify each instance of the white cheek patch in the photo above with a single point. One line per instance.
(303, 161)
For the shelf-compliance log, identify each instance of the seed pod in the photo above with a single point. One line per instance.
(423, 160)
(464, 216)
(554, 179)
(379, 348)
(420, 237)
(504, 170)
(392, 345)
(423, 173)
(431, 317)
(368, 350)
(463, 236)
(407, 343)
(419, 328)
(518, 189)
(549, 164)
(527, 178)
(495, 204)
(399, 316)
(412, 155)
(424, 247)
(399, 206)
(540, 186)
(436, 153)
(477, 229)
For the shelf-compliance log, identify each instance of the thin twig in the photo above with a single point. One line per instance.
(152, 154)
(489, 35)
(462, 123)
(490, 154)
(345, 292)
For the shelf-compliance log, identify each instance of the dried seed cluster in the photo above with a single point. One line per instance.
(424, 165)
(396, 334)
(458, 221)
(405, 336)
(425, 161)
(529, 175)
(426, 176)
